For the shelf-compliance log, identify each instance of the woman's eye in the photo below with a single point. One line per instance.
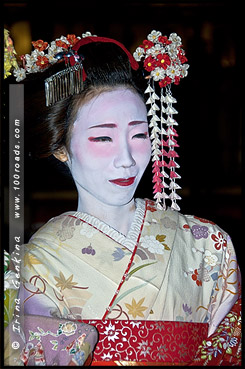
(100, 139)
(141, 135)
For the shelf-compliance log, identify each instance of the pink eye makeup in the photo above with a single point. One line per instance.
(102, 136)
(141, 135)
(100, 139)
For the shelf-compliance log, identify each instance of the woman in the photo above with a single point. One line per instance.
(118, 263)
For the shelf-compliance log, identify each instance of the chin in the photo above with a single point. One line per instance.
(118, 200)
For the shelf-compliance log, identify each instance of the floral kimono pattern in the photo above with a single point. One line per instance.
(169, 267)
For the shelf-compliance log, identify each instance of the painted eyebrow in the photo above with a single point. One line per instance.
(136, 122)
(105, 125)
(113, 125)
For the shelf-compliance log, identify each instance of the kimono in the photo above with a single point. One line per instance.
(154, 297)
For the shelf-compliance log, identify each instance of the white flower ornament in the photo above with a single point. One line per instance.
(153, 36)
(139, 53)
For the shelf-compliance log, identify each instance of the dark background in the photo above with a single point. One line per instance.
(209, 99)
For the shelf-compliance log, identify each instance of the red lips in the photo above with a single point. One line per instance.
(123, 181)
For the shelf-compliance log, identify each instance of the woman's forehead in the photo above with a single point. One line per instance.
(110, 105)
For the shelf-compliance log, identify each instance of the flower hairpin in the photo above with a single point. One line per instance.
(164, 58)
(68, 81)
(45, 55)
(64, 83)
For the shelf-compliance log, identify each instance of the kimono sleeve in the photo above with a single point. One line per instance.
(36, 292)
(35, 338)
(42, 259)
(46, 341)
(227, 289)
(224, 346)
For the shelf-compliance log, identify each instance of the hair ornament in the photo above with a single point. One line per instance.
(63, 83)
(69, 81)
(164, 58)
(44, 55)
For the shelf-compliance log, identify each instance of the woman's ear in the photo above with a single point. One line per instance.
(61, 154)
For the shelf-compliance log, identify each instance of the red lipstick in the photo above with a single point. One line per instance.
(123, 181)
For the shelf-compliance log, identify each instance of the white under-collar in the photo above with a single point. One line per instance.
(130, 239)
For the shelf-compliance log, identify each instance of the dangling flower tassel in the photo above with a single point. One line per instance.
(158, 184)
(172, 144)
(165, 61)
(163, 149)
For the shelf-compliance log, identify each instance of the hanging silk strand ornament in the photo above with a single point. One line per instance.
(165, 61)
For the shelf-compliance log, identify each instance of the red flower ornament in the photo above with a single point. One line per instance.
(176, 80)
(164, 40)
(40, 45)
(147, 44)
(72, 39)
(42, 62)
(62, 44)
(163, 60)
(183, 59)
(150, 63)
(165, 81)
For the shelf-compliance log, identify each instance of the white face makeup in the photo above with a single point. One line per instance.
(110, 147)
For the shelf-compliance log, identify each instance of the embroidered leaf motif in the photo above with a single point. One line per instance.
(161, 238)
(55, 345)
(30, 260)
(41, 331)
(31, 337)
(139, 267)
(130, 290)
(229, 351)
(34, 335)
(64, 283)
(135, 309)
(179, 318)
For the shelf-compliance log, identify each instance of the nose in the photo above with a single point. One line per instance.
(124, 157)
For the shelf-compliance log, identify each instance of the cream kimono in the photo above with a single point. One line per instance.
(169, 267)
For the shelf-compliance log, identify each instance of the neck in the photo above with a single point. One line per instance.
(118, 217)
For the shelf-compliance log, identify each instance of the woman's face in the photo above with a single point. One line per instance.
(110, 146)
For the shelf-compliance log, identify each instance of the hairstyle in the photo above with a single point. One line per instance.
(107, 67)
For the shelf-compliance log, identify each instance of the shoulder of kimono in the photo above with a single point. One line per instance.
(52, 225)
(190, 221)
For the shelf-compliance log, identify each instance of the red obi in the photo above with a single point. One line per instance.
(136, 342)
